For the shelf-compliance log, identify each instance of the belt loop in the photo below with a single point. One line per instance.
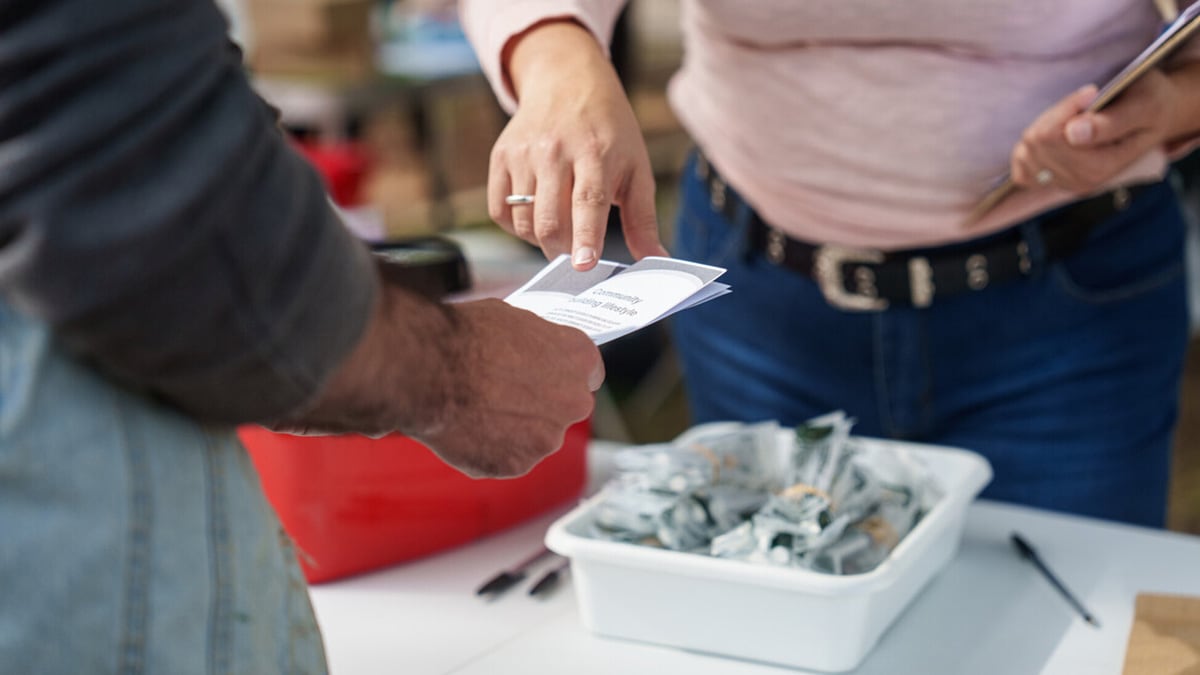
(1031, 249)
(743, 217)
(700, 164)
(720, 197)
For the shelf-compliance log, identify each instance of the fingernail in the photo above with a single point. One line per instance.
(583, 255)
(1079, 132)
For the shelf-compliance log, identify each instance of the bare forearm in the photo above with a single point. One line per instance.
(488, 387)
(493, 27)
(551, 52)
(400, 376)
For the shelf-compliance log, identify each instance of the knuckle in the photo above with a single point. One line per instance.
(523, 229)
(571, 341)
(500, 155)
(584, 407)
(497, 212)
(476, 471)
(511, 465)
(596, 146)
(546, 440)
(1034, 136)
(1021, 153)
(645, 223)
(478, 467)
(510, 154)
(509, 461)
(549, 150)
(590, 195)
(545, 222)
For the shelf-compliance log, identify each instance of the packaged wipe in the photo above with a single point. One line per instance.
(642, 570)
(822, 501)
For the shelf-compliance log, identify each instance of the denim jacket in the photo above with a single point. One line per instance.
(133, 539)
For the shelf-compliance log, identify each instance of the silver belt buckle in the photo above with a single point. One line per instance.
(829, 260)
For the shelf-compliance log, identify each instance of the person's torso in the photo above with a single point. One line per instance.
(882, 123)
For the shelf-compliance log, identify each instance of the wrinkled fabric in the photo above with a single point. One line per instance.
(134, 540)
(152, 213)
(868, 122)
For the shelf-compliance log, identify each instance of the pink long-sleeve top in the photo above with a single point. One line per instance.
(868, 122)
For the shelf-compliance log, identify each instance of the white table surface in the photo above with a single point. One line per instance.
(988, 612)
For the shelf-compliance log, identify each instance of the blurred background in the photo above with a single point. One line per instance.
(386, 98)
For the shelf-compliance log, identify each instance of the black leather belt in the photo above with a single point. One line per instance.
(872, 280)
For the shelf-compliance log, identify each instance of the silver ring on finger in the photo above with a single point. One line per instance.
(1044, 177)
(518, 200)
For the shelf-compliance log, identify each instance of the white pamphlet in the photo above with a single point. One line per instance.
(612, 299)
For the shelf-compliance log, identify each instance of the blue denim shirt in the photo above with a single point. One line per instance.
(132, 538)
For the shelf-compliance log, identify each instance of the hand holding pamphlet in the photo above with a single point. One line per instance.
(612, 299)
(1173, 37)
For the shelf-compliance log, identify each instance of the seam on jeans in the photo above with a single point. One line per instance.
(881, 393)
(220, 615)
(1068, 285)
(137, 570)
(20, 366)
(285, 550)
(927, 393)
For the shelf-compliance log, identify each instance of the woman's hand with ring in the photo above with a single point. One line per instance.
(1072, 149)
(575, 146)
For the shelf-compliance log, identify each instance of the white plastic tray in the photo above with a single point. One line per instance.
(793, 617)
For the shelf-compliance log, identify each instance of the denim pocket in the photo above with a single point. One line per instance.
(1134, 252)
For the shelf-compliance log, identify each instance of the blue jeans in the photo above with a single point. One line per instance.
(131, 538)
(1067, 381)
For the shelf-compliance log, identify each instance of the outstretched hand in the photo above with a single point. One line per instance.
(575, 145)
(488, 387)
(522, 382)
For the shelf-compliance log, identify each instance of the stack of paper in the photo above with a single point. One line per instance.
(611, 299)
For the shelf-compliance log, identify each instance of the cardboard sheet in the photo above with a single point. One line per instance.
(1165, 637)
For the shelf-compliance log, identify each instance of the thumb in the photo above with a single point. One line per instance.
(596, 377)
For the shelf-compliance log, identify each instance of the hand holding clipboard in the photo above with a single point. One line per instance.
(1167, 43)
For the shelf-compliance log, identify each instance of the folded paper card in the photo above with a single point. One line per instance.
(612, 299)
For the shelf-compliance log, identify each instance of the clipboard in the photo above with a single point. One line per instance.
(1170, 40)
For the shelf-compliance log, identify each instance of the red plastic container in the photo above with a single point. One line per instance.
(354, 504)
(343, 165)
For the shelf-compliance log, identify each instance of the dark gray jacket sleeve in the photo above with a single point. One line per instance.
(153, 214)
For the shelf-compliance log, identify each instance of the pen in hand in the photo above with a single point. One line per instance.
(1031, 555)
